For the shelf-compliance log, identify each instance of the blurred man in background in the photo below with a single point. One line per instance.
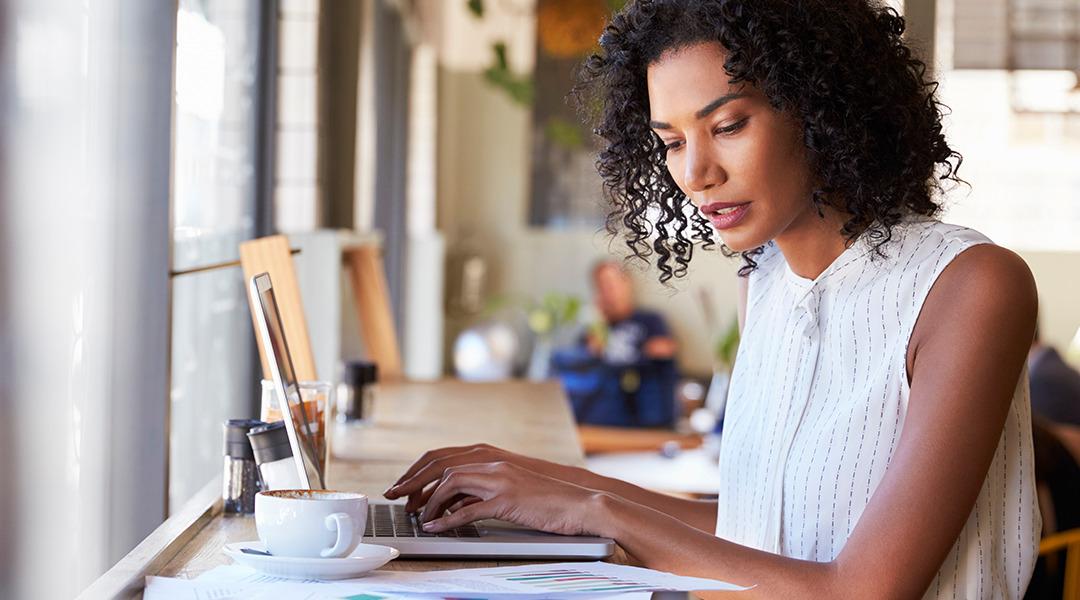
(623, 373)
(629, 334)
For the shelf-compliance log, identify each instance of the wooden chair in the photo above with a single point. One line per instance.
(272, 255)
(1070, 542)
(373, 311)
(1056, 473)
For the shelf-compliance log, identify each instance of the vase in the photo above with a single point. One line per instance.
(540, 361)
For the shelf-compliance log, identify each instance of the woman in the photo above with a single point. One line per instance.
(877, 440)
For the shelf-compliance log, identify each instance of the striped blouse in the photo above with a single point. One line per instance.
(817, 403)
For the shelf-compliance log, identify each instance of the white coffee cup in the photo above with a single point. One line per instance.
(310, 523)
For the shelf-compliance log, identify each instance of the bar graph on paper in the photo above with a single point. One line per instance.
(561, 580)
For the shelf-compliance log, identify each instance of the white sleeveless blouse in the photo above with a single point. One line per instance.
(817, 403)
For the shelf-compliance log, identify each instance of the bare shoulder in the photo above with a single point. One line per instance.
(989, 276)
(984, 298)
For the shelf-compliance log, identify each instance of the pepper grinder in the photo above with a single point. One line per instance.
(274, 456)
(241, 478)
(355, 392)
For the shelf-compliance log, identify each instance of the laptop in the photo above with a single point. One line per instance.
(388, 523)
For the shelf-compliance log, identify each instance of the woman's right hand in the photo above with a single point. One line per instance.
(432, 466)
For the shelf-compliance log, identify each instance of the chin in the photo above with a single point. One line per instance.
(737, 243)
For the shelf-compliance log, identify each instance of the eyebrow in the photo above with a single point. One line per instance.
(704, 112)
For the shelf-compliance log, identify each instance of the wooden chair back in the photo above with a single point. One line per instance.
(272, 255)
(1070, 542)
(372, 302)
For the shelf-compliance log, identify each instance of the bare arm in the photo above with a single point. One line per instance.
(433, 465)
(660, 347)
(964, 360)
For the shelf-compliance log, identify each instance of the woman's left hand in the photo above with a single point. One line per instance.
(503, 490)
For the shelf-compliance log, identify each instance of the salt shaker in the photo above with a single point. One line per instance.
(274, 456)
(355, 393)
(241, 479)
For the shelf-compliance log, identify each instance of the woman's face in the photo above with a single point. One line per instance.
(740, 161)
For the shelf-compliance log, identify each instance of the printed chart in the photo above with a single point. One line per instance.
(569, 581)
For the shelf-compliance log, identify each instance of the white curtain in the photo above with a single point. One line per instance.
(85, 97)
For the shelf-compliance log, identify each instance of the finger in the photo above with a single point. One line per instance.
(426, 459)
(420, 500)
(473, 512)
(429, 473)
(435, 463)
(463, 503)
(417, 500)
(456, 484)
(438, 511)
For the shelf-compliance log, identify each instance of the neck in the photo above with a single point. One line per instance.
(810, 249)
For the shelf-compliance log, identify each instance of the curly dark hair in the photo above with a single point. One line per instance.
(869, 116)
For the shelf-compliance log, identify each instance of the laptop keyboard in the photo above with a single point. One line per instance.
(391, 520)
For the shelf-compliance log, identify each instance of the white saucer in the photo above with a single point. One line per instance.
(365, 558)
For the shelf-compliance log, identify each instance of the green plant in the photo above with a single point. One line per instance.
(727, 345)
(520, 88)
(551, 311)
(564, 133)
(554, 310)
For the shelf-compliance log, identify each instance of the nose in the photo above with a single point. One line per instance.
(703, 167)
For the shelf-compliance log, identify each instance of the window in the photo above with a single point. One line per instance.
(1015, 101)
(218, 182)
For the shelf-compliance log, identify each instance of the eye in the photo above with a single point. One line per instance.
(668, 144)
(730, 129)
(673, 145)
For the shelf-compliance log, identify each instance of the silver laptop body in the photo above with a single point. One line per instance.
(389, 525)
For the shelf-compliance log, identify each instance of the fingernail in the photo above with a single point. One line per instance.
(428, 526)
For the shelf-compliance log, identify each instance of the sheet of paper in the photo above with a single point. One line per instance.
(548, 580)
(165, 588)
(531, 582)
(250, 585)
(237, 573)
(245, 584)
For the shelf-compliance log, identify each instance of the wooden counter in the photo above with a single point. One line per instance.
(408, 419)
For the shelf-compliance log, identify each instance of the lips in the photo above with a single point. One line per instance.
(725, 215)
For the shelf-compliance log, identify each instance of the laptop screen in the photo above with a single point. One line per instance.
(297, 419)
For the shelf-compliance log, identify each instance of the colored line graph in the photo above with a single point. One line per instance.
(570, 580)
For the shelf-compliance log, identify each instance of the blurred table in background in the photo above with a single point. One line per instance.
(596, 439)
(692, 472)
(657, 459)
